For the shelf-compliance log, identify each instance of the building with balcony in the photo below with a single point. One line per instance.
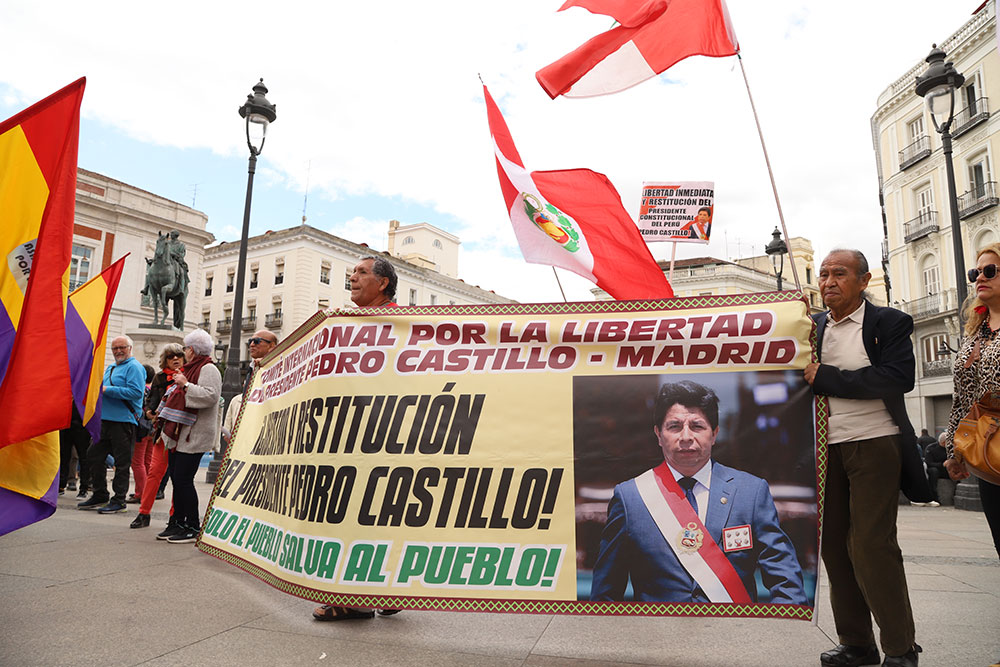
(918, 250)
(292, 273)
(114, 219)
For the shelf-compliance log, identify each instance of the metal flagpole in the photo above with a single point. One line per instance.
(774, 188)
(558, 282)
(673, 254)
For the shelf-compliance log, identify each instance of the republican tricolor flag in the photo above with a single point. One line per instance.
(652, 36)
(574, 219)
(86, 339)
(38, 150)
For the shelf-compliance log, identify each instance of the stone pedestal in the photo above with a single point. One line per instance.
(148, 341)
(967, 495)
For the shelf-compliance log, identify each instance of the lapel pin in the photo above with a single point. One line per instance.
(723, 500)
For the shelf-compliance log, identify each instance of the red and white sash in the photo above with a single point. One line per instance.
(672, 513)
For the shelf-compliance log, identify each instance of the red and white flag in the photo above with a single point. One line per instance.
(652, 36)
(574, 219)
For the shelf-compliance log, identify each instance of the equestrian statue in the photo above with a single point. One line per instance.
(167, 278)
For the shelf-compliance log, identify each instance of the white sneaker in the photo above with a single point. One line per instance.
(916, 504)
(934, 503)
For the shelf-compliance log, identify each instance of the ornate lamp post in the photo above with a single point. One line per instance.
(937, 87)
(776, 250)
(258, 113)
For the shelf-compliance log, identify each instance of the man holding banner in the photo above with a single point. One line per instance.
(691, 529)
(865, 366)
(373, 284)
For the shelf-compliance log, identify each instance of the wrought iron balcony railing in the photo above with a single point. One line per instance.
(939, 368)
(249, 323)
(915, 152)
(977, 199)
(924, 224)
(970, 116)
(934, 305)
(273, 321)
(224, 326)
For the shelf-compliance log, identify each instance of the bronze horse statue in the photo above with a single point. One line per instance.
(164, 283)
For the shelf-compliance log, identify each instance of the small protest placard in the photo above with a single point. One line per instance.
(679, 211)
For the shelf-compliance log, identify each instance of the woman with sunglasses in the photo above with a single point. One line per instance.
(977, 369)
(171, 360)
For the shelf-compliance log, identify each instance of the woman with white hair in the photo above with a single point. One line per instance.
(190, 411)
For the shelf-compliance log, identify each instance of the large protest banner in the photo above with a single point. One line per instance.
(679, 211)
(463, 458)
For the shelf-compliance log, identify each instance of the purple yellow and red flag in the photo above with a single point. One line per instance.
(38, 155)
(86, 338)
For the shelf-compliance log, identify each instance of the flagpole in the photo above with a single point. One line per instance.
(558, 282)
(770, 173)
(673, 254)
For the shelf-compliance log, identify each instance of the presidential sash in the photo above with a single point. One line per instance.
(688, 538)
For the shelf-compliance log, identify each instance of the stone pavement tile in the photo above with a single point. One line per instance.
(508, 635)
(60, 527)
(934, 608)
(936, 582)
(913, 568)
(198, 578)
(683, 642)
(966, 549)
(83, 558)
(553, 661)
(949, 644)
(245, 646)
(982, 577)
(80, 623)
(11, 583)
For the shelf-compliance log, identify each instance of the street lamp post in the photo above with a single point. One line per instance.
(776, 250)
(937, 87)
(258, 114)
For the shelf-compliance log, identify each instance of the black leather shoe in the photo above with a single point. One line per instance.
(849, 656)
(908, 659)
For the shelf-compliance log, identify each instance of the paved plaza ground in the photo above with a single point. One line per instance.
(83, 589)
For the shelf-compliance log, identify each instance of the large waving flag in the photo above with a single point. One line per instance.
(653, 35)
(574, 219)
(86, 338)
(38, 149)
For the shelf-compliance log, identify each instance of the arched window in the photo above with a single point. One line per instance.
(930, 275)
(437, 244)
(408, 240)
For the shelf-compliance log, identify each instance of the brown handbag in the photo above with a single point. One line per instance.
(976, 439)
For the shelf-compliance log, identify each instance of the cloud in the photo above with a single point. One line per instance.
(384, 100)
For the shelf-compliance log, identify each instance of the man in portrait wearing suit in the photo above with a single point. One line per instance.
(691, 529)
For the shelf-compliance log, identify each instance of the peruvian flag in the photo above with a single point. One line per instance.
(652, 36)
(574, 219)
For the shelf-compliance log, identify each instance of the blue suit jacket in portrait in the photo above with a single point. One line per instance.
(633, 547)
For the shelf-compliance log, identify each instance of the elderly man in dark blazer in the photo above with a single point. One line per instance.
(865, 366)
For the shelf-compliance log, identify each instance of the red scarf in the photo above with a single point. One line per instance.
(191, 370)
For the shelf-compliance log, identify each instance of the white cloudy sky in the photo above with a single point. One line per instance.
(380, 109)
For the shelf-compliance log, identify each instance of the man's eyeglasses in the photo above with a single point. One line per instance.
(989, 272)
(120, 347)
(258, 341)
